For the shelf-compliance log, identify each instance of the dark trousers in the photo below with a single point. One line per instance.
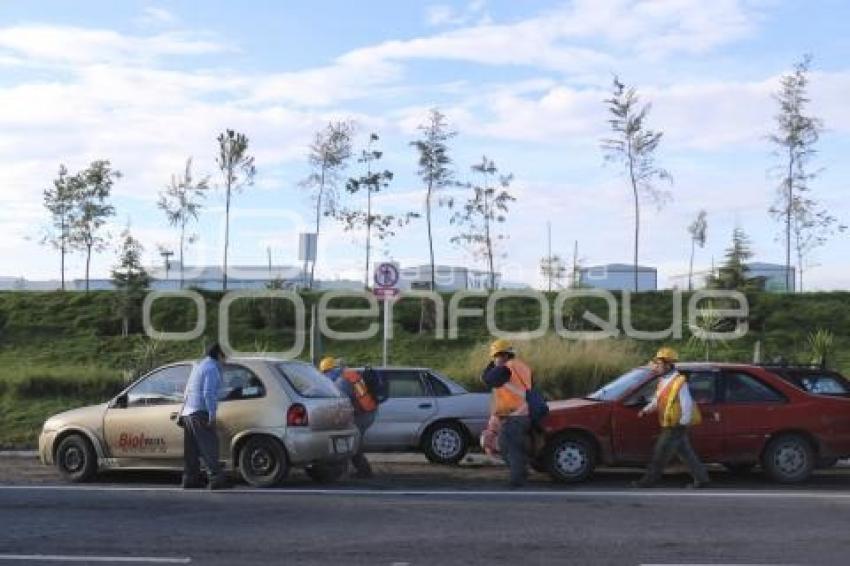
(199, 442)
(674, 440)
(514, 444)
(359, 460)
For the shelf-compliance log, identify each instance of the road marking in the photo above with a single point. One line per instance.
(565, 494)
(120, 559)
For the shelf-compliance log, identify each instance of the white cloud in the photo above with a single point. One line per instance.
(152, 15)
(443, 15)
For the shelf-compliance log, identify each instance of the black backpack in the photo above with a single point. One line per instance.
(376, 383)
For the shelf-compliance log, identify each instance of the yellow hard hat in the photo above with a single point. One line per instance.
(327, 363)
(667, 354)
(501, 346)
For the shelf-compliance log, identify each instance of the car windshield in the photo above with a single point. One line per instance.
(618, 387)
(306, 380)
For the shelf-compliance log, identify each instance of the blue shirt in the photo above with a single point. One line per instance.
(202, 389)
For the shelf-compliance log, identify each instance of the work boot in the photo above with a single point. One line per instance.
(218, 482)
(192, 482)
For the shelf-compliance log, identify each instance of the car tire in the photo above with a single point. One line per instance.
(445, 443)
(326, 473)
(76, 459)
(739, 468)
(789, 458)
(570, 458)
(263, 462)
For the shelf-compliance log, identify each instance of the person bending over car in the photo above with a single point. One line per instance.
(197, 418)
(676, 412)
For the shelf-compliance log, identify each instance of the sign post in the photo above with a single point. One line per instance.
(386, 280)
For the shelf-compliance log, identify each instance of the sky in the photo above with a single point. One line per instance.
(149, 84)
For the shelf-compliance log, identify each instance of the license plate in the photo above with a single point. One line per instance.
(341, 445)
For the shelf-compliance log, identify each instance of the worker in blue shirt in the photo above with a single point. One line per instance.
(200, 440)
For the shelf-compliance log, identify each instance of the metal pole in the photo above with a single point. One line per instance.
(386, 326)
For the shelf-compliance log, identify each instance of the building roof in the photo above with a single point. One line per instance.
(234, 272)
(618, 267)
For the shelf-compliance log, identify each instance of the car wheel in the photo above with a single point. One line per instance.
(326, 473)
(445, 443)
(789, 459)
(75, 458)
(263, 462)
(570, 458)
(739, 468)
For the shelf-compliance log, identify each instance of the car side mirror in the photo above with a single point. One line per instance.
(120, 402)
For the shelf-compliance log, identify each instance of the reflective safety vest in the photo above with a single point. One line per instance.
(363, 399)
(669, 406)
(510, 397)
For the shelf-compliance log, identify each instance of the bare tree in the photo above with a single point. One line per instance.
(434, 167)
(697, 230)
(487, 205)
(633, 146)
(804, 223)
(383, 225)
(181, 203)
(93, 188)
(811, 228)
(329, 155)
(237, 171)
(60, 201)
(554, 270)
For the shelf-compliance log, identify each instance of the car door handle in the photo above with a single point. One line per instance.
(716, 417)
(425, 405)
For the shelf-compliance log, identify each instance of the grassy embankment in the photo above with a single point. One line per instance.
(61, 350)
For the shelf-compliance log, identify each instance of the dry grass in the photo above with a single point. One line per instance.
(562, 368)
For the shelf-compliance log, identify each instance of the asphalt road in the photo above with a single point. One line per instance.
(425, 515)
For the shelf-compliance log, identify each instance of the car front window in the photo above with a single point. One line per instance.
(306, 380)
(620, 386)
(163, 387)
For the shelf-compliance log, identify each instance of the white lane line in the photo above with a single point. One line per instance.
(118, 559)
(645, 493)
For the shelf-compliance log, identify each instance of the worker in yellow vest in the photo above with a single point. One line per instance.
(509, 378)
(676, 412)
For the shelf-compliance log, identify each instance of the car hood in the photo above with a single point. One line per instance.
(572, 404)
(88, 417)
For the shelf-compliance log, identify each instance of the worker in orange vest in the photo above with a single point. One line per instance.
(350, 383)
(509, 378)
(676, 413)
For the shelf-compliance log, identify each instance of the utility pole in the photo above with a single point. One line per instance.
(549, 252)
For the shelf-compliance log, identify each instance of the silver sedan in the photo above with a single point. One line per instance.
(427, 412)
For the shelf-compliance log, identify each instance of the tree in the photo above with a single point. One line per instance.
(328, 156)
(60, 201)
(181, 202)
(237, 171)
(697, 230)
(554, 270)
(811, 229)
(487, 205)
(633, 146)
(732, 275)
(795, 138)
(434, 167)
(93, 187)
(129, 278)
(383, 225)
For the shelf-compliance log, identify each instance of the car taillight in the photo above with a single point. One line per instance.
(297, 415)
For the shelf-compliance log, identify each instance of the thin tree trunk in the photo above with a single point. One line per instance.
(691, 268)
(430, 239)
(62, 264)
(182, 236)
(790, 197)
(226, 231)
(488, 242)
(318, 221)
(88, 264)
(368, 234)
(637, 211)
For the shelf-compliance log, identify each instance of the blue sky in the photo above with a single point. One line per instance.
(148, 84)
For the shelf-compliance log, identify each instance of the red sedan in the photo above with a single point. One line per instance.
(752, 415)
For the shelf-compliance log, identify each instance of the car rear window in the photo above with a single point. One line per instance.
(819, 383)
(306, 380)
